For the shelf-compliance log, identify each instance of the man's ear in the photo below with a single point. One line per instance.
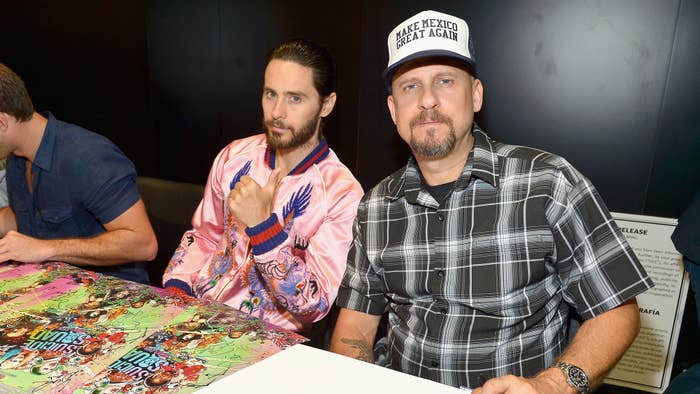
(4, 121)
(477, 95)
(392, 107)
(328, 105)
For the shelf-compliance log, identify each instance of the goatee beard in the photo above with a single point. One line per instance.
(431, 147)
(299, 137)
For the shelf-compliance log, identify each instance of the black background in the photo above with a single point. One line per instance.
(610, 85)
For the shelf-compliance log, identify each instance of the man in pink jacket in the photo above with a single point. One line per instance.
(271, 234)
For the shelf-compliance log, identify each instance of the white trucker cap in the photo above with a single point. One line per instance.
(429, 34)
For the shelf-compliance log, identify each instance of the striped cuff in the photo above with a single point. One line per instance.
(267, 235)
(179, 285)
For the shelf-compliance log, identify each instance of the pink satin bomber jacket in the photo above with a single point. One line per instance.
(287, 269)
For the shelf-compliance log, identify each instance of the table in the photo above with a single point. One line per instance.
(304, 369)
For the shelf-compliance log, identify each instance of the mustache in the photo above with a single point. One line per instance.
(276, 123)
(429, 115)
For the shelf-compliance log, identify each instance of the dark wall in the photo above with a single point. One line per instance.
(676, 170)
(86, 62)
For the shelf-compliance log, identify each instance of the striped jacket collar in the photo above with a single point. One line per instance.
(317, 155)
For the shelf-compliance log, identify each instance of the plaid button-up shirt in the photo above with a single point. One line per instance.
(482, 284)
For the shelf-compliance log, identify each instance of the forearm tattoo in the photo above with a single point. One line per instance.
(365, 352)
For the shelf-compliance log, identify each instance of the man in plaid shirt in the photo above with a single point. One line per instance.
(479, 250)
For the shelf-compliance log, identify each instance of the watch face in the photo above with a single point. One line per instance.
(578, 377)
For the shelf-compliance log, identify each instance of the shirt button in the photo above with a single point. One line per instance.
(440, 273)
(440, 217)
(434, 363)
(443, 311)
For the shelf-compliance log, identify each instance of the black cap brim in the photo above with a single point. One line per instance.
(389, 72)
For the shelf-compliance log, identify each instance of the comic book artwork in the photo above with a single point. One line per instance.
(75, 327)
(17, 280)
(198, 347)
(43, 353)
(65, 330)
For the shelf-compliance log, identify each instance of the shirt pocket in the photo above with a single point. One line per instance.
(58, 221)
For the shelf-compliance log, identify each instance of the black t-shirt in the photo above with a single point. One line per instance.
(439, 192)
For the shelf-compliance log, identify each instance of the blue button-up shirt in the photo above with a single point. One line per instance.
(81, 181)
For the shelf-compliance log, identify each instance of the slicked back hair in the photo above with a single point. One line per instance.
(313, 56)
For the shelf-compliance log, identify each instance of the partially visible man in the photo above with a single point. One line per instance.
(478, 250)
(72, 193)
(686, 239)
(271, 233)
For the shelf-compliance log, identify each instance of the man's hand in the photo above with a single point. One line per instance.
(550, 381)
(252, 204)
(19, 247)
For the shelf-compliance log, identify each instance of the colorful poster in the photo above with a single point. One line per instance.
(51, 340)
(198, 347)
(65, 330)
(44, 352)
(17, 280)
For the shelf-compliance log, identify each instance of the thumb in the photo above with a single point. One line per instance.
(273, 182)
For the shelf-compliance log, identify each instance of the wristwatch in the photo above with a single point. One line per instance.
(575, 376)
